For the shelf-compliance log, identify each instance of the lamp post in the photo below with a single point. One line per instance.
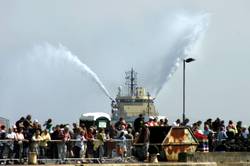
(184, 85)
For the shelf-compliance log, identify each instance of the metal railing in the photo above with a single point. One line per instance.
(19, 151)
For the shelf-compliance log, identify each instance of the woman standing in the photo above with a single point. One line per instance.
(36, 139)
(44, 143)
(18, 145)
(79, 147)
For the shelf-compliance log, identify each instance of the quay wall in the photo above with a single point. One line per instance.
(221, 158)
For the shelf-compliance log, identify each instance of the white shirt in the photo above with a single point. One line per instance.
(11, 135)
(176, 124)
(19, 136)
(80, 141)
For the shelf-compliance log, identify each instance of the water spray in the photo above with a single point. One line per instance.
(63, 53)
(191, 30)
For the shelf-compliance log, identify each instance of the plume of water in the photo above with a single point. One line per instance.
(190, 31)
(55, 54)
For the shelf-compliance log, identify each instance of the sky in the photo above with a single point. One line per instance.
(111, 37)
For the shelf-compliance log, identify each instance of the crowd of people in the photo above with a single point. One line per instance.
(223, 136)
(62, 141)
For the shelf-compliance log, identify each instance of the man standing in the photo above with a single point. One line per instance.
(64, 135)
(138, 123)
(2, 144)
(143, 142)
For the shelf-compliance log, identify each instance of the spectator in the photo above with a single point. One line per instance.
(99, 144)
(209, 122)
(222, 135)
(120, 123)
(2, 144)
(90, 146)
(64, 136)
(231, 128)
(55, 136)
(244, 133)
(129, 134)
(48, 125)
(143, 140)
(177, 123)
(161, 122)
(27, 123)
(206, 130)
(129, 141)
(232, 137)
(155, 121)
(84, 143)
(138, 123)
(239, 128)
(44, 143)
(79, 147)
(19, 123)
(216, 125)
(185, 122)
(112, 131)
(150, 122)
(199, 123)
(198, 133)
(10, 144)
(18, 146)
(166, 122)
(75, 129)
(121, 148)
(36, 139)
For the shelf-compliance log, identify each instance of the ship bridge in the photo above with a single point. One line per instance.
(134, 101)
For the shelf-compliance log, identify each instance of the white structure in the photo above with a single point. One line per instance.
(94, 115)
(99, 119)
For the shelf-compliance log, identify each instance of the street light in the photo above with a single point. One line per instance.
(184, 75)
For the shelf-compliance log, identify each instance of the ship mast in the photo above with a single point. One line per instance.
(131, 81)
(148, 106)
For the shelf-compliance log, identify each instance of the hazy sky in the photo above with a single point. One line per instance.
(111, 37)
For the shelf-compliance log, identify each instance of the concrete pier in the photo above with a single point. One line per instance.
(140, 164)
(220, 158)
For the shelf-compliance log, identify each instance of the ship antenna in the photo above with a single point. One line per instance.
(148, 107)
(131, 81)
